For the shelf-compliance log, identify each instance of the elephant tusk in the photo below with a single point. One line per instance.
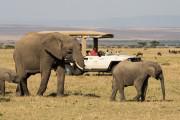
(78, 66)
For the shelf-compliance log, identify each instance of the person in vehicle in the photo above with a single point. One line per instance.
(107, 52)
(88, 53)
(94, 52)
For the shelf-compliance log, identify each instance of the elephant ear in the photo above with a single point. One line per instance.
(151, 71)
(54, 47)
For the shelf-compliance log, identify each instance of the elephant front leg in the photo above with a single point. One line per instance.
(19, 90)
(137, 97)
(45, 74)
(45, 69)
(138, 85)
(2, 87)
(121, 92)
(144, 90)
(113, 95)
(60, 80)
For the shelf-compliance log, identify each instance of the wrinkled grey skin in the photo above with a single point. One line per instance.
(6, 75)
(39, 53)
(135, 73)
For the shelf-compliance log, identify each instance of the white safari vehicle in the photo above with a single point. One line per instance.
(105, 63)
(101, 63)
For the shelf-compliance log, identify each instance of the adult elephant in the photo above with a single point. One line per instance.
(41, 52)
(129, 73)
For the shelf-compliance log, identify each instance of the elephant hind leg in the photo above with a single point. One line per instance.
(22, 86)
(19, 90)
(114, 89)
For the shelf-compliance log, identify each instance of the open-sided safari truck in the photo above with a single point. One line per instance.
(99, 63)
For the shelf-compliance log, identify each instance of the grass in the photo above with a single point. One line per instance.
(88, 96)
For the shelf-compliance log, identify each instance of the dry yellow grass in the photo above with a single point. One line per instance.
(88, 96)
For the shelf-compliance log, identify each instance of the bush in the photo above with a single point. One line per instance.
(9, 46)
(154, 43)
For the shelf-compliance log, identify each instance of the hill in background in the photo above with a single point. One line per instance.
(14, 32)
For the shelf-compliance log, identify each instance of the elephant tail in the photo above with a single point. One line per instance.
(18, 62)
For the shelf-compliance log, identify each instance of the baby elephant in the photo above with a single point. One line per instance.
(129, 73)
(8, 75)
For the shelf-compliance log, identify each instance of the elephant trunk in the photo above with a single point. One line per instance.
(162, 85)
(78, 58)
(78, 67)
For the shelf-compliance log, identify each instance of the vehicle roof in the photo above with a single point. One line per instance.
(80, 34)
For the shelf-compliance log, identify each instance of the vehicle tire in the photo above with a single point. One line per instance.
(112, 65)
(68, 69)
(112, 68)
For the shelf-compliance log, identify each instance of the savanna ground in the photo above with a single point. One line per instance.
(88, 96)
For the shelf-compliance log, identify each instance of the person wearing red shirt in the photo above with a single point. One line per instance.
(93, 52)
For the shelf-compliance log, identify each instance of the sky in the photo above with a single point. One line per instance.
(48, 11)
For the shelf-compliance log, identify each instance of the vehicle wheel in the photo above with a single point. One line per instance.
(112, 68)
(68, 69)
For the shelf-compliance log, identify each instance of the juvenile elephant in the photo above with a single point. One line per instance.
(41, 52)
(129, 73)
(6, 75)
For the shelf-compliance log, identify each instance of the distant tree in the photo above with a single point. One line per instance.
(1, 45)
(142, 44)
(9, 46)
(154, 43)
